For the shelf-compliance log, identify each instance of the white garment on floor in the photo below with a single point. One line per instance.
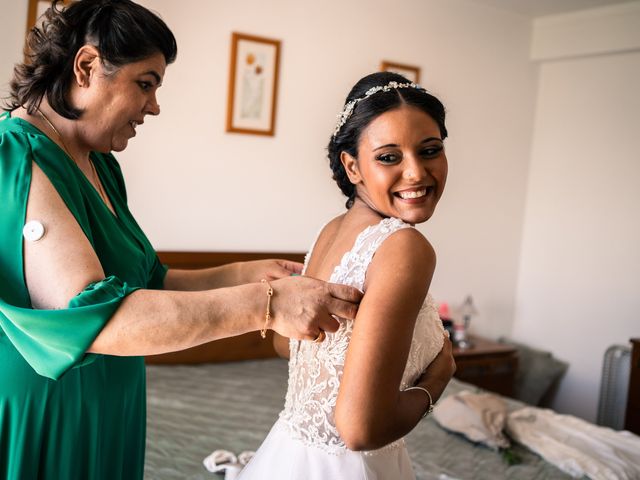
(575, 446)
(304, 444)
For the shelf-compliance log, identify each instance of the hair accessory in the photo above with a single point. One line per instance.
(430, 407)
(267, 316)
(350, 106)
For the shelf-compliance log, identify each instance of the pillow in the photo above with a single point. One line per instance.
(538, 373)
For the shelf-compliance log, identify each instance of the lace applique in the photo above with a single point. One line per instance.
(315, 370)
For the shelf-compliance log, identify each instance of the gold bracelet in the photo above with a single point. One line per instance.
(430, 407)
(267, 316)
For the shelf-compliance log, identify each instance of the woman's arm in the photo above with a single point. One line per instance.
(371, 411)
(229, 275)
(63, 263)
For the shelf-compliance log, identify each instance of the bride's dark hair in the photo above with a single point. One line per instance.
(348, 137)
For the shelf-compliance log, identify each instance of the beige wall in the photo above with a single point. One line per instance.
(14, 16)
(579, 276)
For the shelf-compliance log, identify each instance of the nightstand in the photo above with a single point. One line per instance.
(487, 364)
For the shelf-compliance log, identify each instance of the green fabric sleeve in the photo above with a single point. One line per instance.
(157, 274)
(53, 341)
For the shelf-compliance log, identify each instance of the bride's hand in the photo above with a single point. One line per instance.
(271, 269)
(437, 375)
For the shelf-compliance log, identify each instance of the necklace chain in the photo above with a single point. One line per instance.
(96, 178)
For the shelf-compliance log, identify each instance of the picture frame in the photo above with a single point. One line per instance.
(35, 10)
(411, 72)
(253, 84)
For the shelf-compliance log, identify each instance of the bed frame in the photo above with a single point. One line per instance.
(243, 347)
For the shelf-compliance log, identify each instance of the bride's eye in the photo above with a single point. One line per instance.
(388, 158)
(431, 151)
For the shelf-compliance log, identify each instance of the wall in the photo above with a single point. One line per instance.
(14, 15)
(578, 289)
(194, 187)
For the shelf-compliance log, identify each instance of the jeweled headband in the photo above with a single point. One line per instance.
(349, 107)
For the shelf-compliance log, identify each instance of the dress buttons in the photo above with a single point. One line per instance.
(33, 231)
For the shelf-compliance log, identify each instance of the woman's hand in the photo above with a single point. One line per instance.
(271, 269)
(303, 306)
(437, 375)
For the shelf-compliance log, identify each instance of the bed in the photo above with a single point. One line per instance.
(227, 395)
(195, 409)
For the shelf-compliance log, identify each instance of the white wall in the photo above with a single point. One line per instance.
(194, 187)
(14, 16)
(579, 282)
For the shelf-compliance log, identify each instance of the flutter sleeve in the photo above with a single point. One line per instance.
(53, 341)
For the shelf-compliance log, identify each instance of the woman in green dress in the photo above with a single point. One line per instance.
(82, 293)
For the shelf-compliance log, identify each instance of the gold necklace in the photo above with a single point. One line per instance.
(94, 172)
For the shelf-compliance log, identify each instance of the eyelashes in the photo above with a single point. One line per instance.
(393, 158)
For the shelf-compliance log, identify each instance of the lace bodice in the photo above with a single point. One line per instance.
(315, 370)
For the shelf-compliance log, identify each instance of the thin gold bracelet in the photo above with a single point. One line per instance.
(267, 316)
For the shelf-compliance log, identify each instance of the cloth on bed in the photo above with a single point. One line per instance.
(480, 417)
(576, 446)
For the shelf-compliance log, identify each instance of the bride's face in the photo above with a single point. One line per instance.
(401, 169)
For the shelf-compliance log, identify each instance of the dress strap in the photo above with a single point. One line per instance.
(372, 237)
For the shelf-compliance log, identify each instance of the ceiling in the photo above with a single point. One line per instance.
(538, 8)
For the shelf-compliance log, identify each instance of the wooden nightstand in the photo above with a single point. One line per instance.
(487, 364)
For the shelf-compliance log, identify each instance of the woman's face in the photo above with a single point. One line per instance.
(116, 102)
(401, 169)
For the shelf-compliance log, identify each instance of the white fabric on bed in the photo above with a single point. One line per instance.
(480, 417)
(576, 446)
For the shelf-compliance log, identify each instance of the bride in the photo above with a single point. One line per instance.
(355, 393)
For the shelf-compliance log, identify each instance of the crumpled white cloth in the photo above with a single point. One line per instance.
(575, 446)
(480, 417)
(227, 462)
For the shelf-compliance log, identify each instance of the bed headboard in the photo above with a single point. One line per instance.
(243, 347)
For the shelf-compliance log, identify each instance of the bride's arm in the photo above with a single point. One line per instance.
(371, 411)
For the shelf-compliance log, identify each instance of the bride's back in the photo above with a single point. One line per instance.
(342, 254)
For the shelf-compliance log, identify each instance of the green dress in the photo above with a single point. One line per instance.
(65, 414)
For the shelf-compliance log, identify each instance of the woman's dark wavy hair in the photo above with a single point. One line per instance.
(122, 31)
(348, 137)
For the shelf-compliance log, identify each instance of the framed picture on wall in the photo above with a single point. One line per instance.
(409, 71)
(36, 9)
(253, 84)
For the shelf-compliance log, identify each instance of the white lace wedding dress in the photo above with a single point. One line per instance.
(304, 443)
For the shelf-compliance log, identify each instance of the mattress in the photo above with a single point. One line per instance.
(193, 410)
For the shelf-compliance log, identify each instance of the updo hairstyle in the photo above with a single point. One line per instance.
(367, 110)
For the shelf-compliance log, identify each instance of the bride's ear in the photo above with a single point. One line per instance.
(350, 165)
